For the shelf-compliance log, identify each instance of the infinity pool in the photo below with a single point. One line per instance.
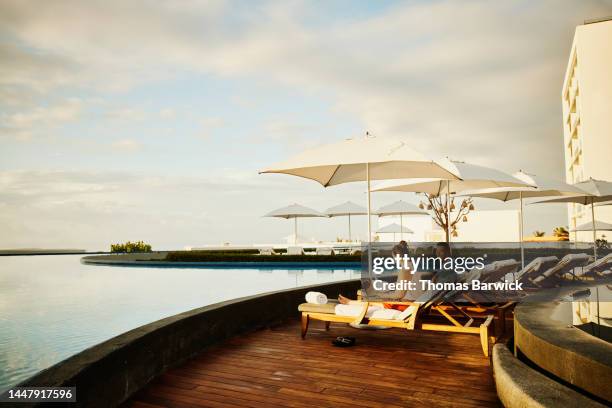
(52, 307)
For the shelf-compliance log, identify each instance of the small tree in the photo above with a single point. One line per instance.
(445, 219)
(538, 234)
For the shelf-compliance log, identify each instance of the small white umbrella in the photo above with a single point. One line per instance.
(362, 159)
(599, 226)
(544, 187)
(294, 211)
(400, 208)
(394, 229)
(472, 177)
(346, 209)
(595, 191)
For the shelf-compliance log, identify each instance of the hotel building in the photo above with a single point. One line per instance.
(587, 116)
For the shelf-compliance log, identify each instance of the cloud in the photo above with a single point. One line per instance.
(23, 124)
(126, 114)
(167, 113)
(208, 126)
(478, 81)
(457, 79)
(126, 145)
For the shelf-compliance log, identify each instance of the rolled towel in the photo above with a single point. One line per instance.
(316, 298)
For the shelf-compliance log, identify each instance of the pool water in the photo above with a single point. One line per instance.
(52, 307)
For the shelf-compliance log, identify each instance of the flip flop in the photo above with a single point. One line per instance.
(343, 341)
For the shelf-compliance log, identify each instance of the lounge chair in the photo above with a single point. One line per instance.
(600, 268)
(324, 251)
(536, 267)
(413, 318)
(498, 270)
(266, 251)
(566, 265)
(295, 250)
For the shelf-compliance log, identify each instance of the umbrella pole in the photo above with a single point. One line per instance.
(594, 230)
(448, 222)
(350, 239)
(294, 230)
(369, 221)
(521, 232)
(401, 228)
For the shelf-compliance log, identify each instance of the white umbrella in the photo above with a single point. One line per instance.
(294, 211)
(346, 209)
(394, 229)
(400, 208)
(595, 191)
(543, 188)
(472, 177)
(599, 226)
(362, 159)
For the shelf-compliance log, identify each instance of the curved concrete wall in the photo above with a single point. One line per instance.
(519, 386)
(566, 352)
(107, 374)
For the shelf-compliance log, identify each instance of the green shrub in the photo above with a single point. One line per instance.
(129, 246)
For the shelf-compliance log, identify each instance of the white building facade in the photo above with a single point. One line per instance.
(587, 115)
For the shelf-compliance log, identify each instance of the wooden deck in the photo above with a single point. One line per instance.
(275, 368)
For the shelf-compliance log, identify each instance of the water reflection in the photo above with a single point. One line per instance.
(53, 306)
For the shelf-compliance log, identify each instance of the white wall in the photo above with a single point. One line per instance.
(482, 226)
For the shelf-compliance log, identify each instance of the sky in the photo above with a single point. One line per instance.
(148, 120)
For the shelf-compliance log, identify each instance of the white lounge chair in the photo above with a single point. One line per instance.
(295, 250)
(499, 270)
(566, 265)
(537, 266)
(324, 251)
(415, 317)
(266, 251)
(601, 267)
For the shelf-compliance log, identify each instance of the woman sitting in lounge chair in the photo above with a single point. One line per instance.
(405, 274)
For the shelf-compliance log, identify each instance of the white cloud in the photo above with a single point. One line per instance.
(478, 81)
(126, 145)
(22, 124)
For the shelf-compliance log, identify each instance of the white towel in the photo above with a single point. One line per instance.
(386, 314)
(316, 298)
(406, 313)
(353, 310)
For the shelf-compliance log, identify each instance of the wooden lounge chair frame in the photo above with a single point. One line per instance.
(414, 321)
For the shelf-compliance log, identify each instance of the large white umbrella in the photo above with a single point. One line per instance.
(294, 211)
(594, 191)
(394, 229)
(472, 177)
(346, 209)
(400, 208)
(362, 159)
(544, 187)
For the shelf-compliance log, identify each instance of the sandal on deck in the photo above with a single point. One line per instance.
(343, 341)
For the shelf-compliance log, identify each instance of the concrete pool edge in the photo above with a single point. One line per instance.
(154, 260)
(564, 351)
(110, 372)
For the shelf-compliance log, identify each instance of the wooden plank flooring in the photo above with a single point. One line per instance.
(275, 368)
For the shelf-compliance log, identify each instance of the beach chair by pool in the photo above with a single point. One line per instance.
(600, 268)
(324, 251)
(499, 270)
(536, 267)
(266, 251)
(415, 317)
(566, 265)
(295, 250)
